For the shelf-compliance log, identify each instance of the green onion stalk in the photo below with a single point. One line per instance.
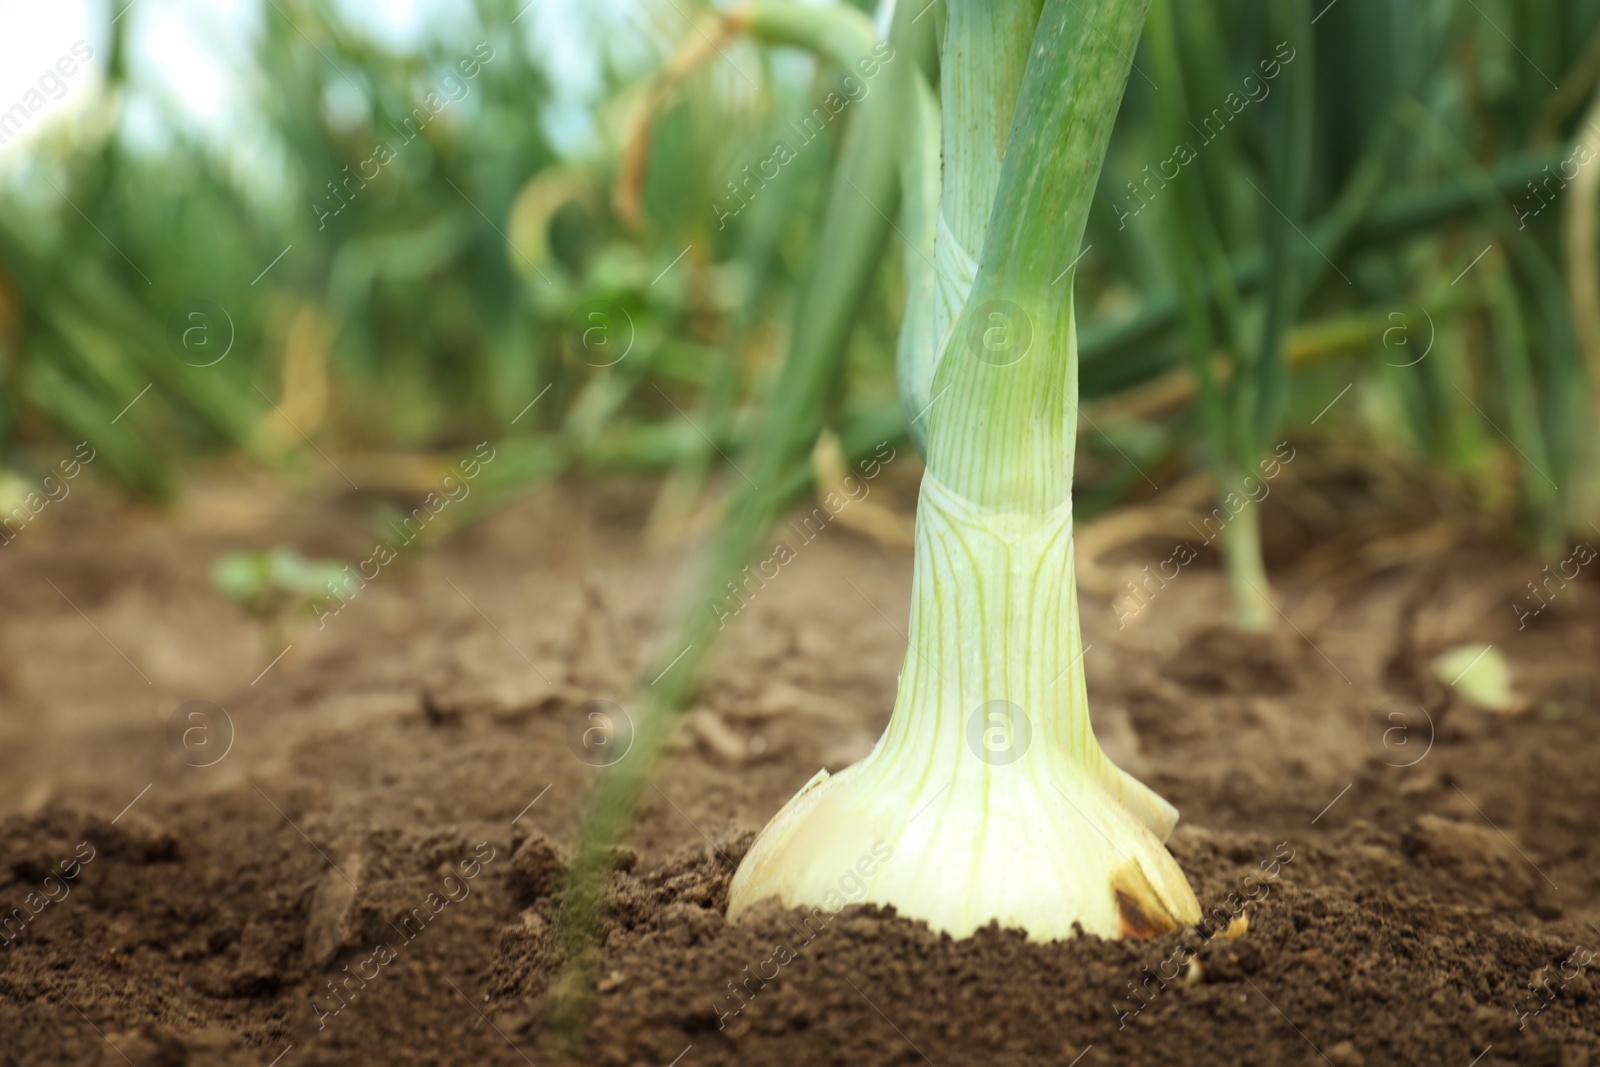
(852, 233)
(1240, 409)
(988, 797)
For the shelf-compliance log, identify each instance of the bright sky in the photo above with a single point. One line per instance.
(33, 38)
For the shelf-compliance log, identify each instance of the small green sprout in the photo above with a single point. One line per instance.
(272, 586)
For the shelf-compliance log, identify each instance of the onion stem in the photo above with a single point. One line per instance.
(988, 792)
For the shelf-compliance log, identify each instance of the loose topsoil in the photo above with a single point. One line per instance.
(353, 854)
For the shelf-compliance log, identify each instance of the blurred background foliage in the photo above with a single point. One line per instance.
(1388, 244)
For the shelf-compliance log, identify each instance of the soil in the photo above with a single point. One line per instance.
(353, 854)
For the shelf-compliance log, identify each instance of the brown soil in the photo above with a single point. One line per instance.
(372, 816)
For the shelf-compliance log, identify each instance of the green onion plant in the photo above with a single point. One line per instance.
(987, 797)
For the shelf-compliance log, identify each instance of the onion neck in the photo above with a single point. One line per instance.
(992, 691)
(993, 639)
